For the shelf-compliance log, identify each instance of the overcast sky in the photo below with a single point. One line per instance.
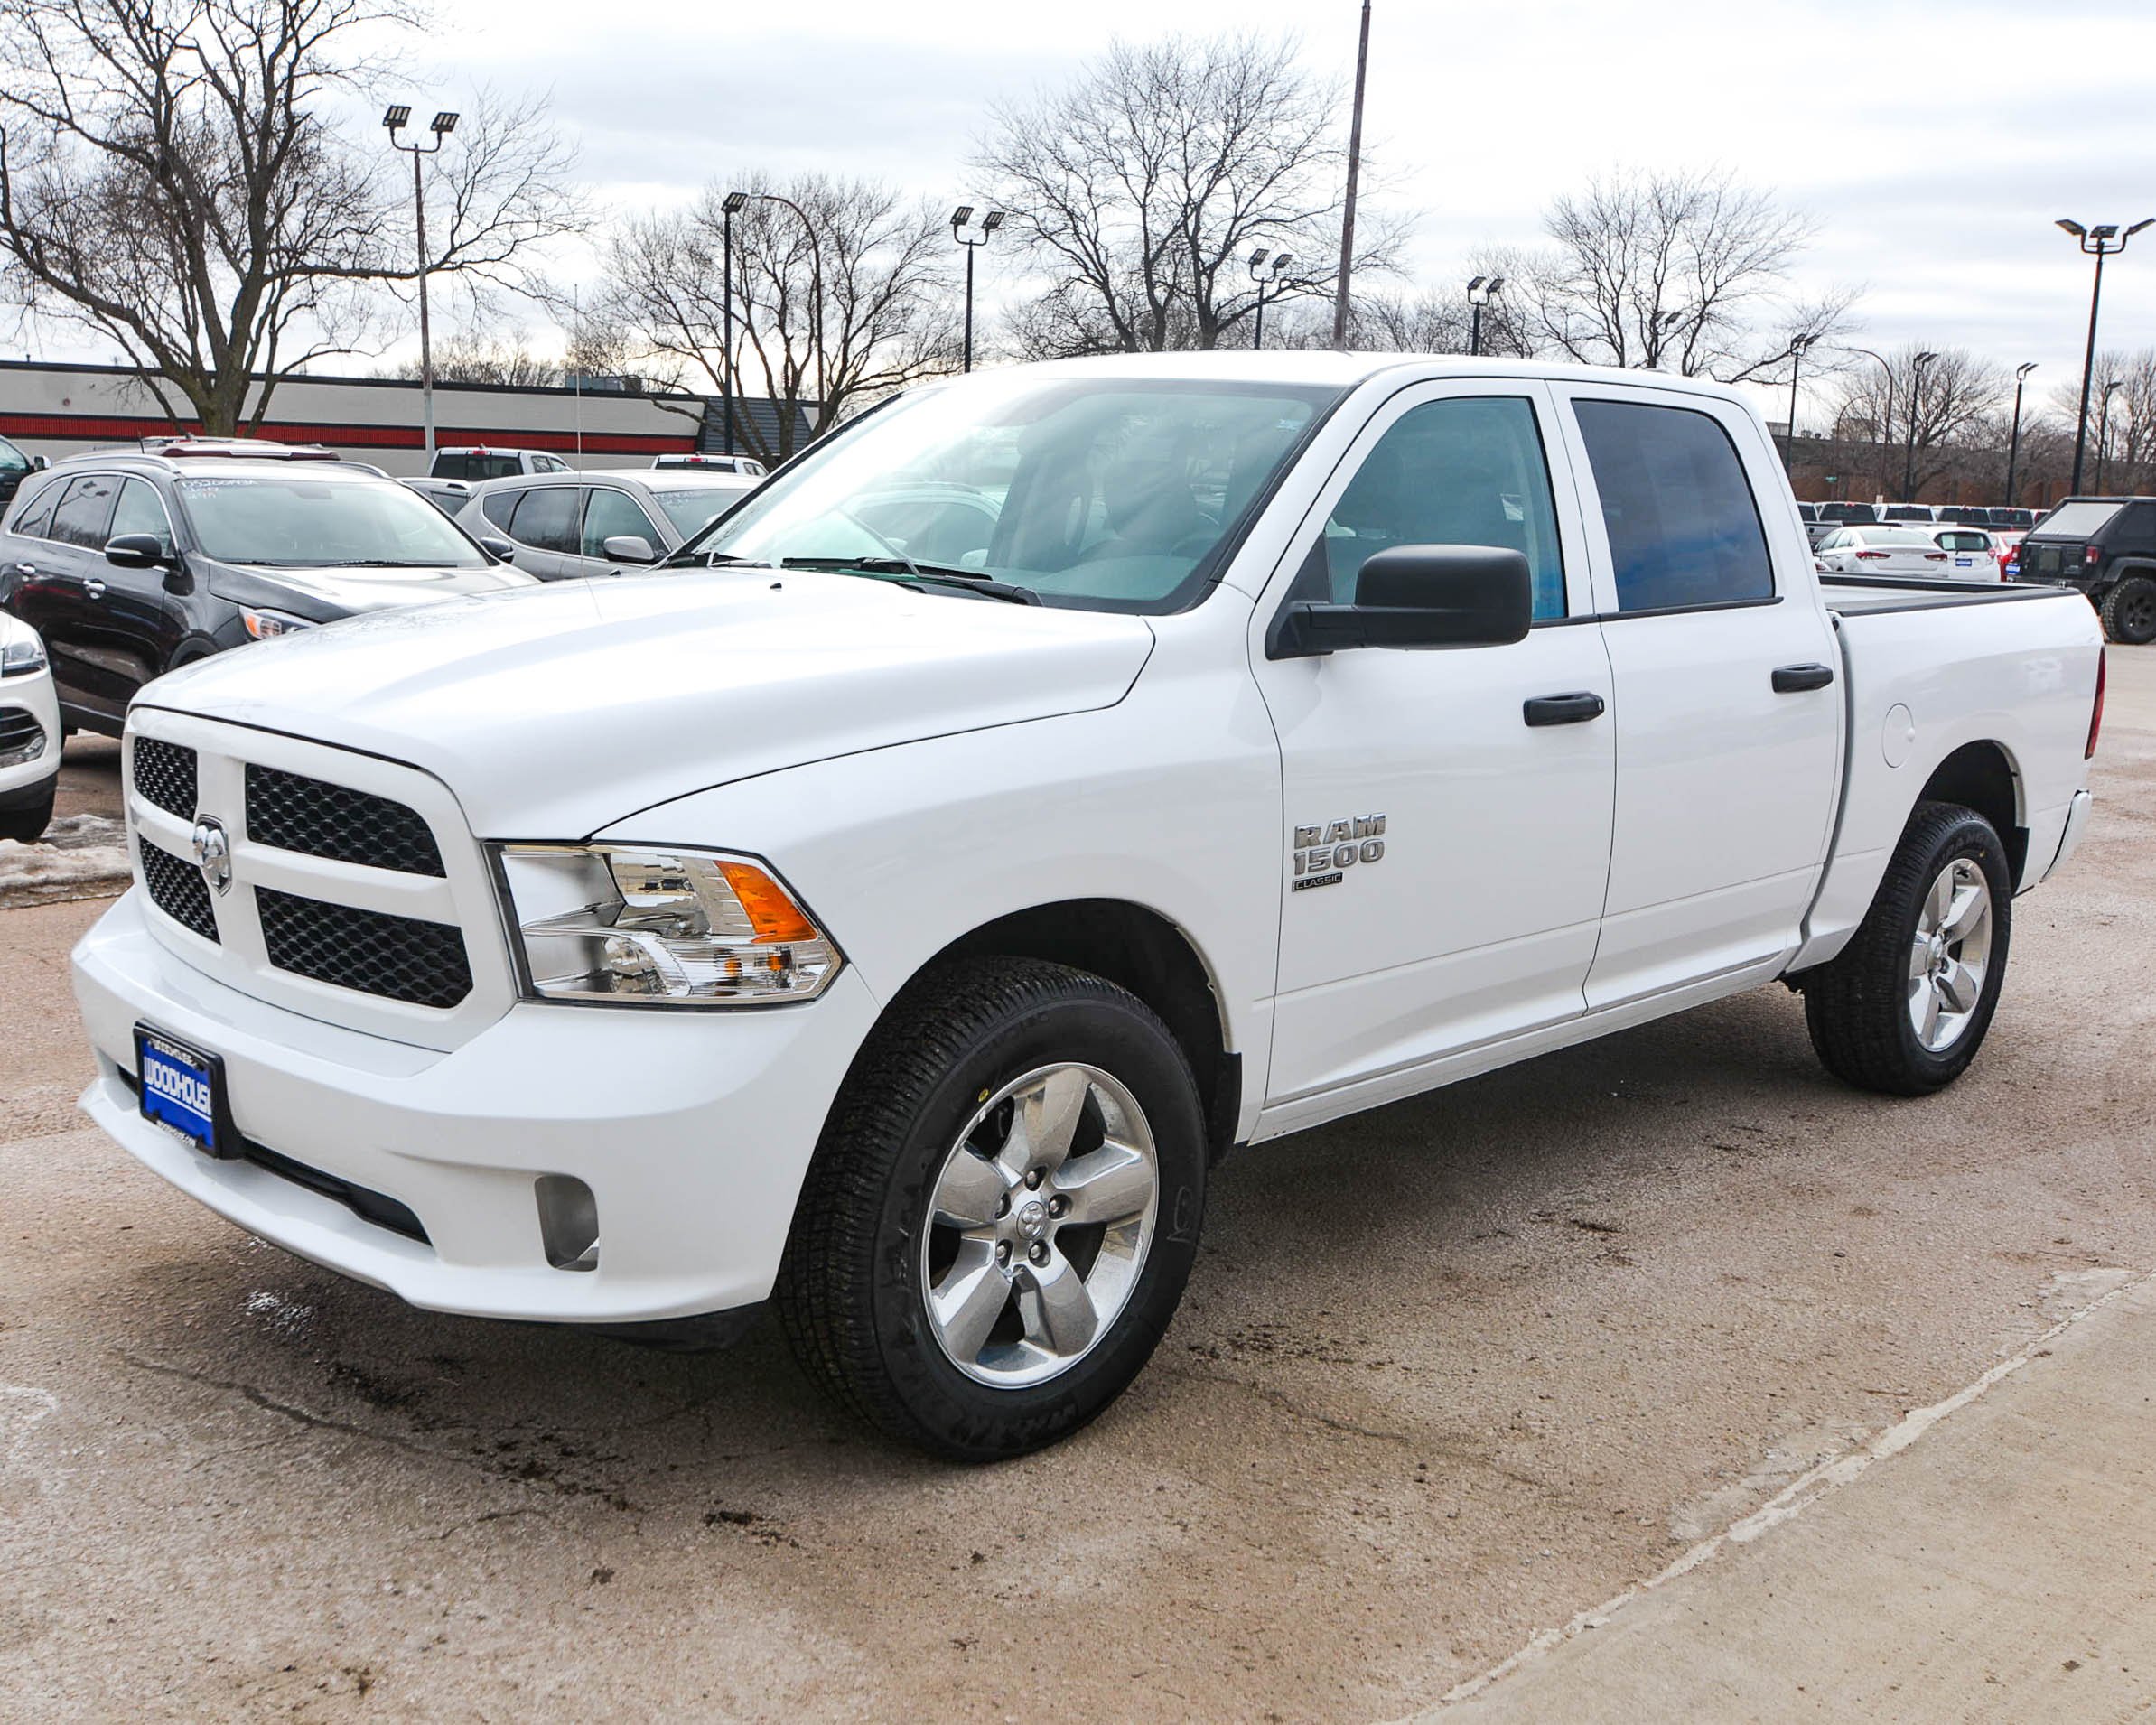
(1936, 141)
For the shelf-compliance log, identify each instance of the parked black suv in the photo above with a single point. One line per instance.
(132, 563)
(2106, 547)
(14, 467)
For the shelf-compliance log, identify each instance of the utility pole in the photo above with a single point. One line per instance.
(1362, 67)
(2013, 445)
(728, 207)
(2098, 243)
(1916, 395)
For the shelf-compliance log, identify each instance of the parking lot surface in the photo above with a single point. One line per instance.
(1449, 1375)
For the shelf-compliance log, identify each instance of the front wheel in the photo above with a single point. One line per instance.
(1904, 1007)
(2130, 612)
(1003, 1210)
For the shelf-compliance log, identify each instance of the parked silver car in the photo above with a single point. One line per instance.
(599, 523)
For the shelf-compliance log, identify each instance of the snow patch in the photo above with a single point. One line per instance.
(80, 856)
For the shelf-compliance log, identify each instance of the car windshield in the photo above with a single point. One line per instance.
(2077, 520)
(301, 521)
(1105, 493)
(693, 508)
(12, 459)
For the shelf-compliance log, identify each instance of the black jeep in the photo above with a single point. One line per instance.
(2105, 546)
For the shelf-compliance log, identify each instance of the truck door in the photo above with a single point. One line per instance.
(1446, 814)
(1729, 696)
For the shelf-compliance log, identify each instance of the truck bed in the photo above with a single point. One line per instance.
(1857, 595)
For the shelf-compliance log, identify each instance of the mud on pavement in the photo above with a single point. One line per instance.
(1448, 1373)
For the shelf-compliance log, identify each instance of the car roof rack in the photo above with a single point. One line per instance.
(255, 449)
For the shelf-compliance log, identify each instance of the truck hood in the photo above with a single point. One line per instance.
(555, 711)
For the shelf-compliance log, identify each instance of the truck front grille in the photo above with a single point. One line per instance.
(177, 889)
(295, 813)
(164, 774)
(400, 958)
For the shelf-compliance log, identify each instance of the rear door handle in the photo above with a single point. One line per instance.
(93, 588)
(1561, 709)
(1794, 679)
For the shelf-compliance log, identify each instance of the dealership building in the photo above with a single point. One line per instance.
(56, 410)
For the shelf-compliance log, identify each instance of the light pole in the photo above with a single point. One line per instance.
(990, 222)
(395, 118)
(1796, 352)
(1262, 273)
(1480, 291)
(1886, 422)
(2103, 430)
(730, 206)
(2098, 243)
(1340, 288)
(2014, 443)
(816, 287)
(1916, 395)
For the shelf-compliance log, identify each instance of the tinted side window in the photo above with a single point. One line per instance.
(611, 514)
(141, 510)
(1469, 471)
(2136, 526)
(33, 513)
(84, 511)
(1684, 527)
(545, 519)
(498, 506)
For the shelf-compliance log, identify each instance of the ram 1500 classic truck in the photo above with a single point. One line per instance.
(1047, 782)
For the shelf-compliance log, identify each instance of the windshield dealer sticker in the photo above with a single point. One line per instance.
(1324, 853)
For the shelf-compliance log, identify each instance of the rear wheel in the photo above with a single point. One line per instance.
(1905, 1006)
(2130, 612)
(1001, 1217)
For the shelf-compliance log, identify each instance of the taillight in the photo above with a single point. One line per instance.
(2095, 716)
(2091, 554)
(1935, 556)
(1873, 557)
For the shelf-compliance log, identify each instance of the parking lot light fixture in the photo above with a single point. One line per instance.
(2013, 442)
(960, 219)
(395, 118)
(1480, 291)
(2098, 243)
(2103, 430)
(730, 206)
(1916, 396)
(1262, 271)
(1798, 347)
(1886, 420)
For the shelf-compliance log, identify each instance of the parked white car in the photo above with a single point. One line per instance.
(1972, 553)
(600, 522)
(902, 941)
(1883, 551)
(30, 733)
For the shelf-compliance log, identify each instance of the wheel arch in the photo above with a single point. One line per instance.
(1139, 949)
(1983, 776)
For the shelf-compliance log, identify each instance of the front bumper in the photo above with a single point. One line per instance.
(693, 1130)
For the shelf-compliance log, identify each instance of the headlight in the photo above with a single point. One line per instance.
(20, 658)
(637, 924)
(265, 624)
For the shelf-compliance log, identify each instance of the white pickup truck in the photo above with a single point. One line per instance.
(1048, 782)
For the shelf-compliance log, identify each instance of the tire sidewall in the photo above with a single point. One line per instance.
(1970, 836)
(969, 1418)
(2134, 588)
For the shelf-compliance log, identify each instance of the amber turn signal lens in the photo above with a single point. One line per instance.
(775, 916)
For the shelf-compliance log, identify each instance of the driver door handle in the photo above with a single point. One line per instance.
(93, 588)
(1561, 709)
(1794, 679)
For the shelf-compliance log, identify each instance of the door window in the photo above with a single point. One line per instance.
(34, 520)
(498, 506)
(1466, 470)
(1684, 527)
(545, 519)
(85, 509)
(141, 510)
(611, 514)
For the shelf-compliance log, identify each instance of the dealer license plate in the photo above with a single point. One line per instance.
(184, 1090)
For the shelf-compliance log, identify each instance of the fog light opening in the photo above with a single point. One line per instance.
(568, 1222)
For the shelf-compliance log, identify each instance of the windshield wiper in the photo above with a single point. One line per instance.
(711, 560)
(908, 570)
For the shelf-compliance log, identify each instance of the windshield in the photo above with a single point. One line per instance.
(301, 522)
(2077, 520)
(1105, 493)
(12, 459)
(691, 509)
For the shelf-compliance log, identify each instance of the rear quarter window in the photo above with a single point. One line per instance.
(32, 516)
(1684, 527)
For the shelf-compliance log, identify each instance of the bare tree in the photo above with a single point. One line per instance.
(2126, 429)
(507, 364)
(841, 295)
(1682, 272)
(169, 179)
(1140, 187)
(1941, 412)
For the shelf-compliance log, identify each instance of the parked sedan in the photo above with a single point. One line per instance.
(1882, 551)
(602, 523)
(30, 733)
(130, 564)
(1972, 553)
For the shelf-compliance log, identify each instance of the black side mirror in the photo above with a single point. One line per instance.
(136, 551)
(501, 548)
(1417, 596)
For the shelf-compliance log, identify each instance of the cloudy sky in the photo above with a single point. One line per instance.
(1935, 140)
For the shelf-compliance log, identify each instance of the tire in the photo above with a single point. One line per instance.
(2129, 611)
(27, 823)
(927, 1120)
(1862, 1009)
